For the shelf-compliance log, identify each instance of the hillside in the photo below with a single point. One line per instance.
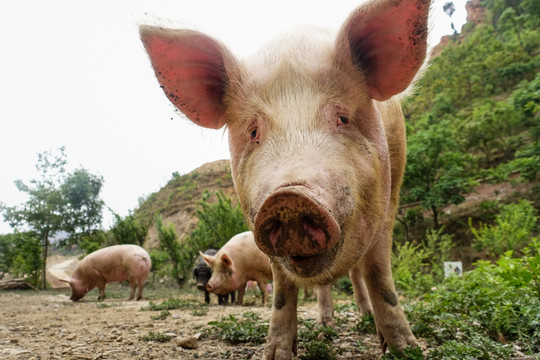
(177, 201)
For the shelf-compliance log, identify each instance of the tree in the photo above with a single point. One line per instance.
(436, 173)
(218, 222)
(129, 230)
(7, 253)
(83, 207)
(168, 242)
(56, 202)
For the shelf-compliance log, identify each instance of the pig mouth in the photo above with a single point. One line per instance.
(295, 227)
(310, 266)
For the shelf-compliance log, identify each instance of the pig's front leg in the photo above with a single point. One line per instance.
(262, 288)
(282, 338)
(392, 326)
(326, 305)
(241, 291)
(360, 290)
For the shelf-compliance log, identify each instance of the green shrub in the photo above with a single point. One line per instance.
(317, 340)
(470, 315)
(512, 229)
(155, 336)
(173, 303)
(246, 328)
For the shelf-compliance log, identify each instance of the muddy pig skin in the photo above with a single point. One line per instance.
(110, 264)
(317, 143)
(237, 262)
(202, 273)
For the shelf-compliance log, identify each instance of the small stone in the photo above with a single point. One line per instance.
(186, 342)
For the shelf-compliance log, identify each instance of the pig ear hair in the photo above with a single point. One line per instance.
(226, 260)
(193, 71)
(387, 40)
(66, 281)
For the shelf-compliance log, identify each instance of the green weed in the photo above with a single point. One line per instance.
(246, 328)
(157, 337)
(162, 316)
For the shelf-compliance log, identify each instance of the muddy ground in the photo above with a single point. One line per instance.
(47, 325)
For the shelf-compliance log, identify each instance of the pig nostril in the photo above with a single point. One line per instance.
(273, 229)
(209, 287)
(315, 231)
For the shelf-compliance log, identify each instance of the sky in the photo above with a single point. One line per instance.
(75, 74)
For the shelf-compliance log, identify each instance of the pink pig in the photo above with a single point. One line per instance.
(109, 264)
(317, 142)
(237, 262)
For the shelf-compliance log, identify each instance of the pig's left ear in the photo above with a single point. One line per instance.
(387, 40)
(225, 260)
(208, 259)
(193, 70)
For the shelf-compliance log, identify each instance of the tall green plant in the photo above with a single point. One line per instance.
(168, 242)
(218, 222)
(129, 230)
(511, 231)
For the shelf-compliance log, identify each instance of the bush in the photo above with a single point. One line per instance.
(240, 330)
(512, 229)
(417, 267)
(471, 315)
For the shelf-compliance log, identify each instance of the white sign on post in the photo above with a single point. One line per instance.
(453, 268)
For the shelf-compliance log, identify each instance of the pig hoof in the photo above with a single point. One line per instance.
(397, 345)
(276, 351)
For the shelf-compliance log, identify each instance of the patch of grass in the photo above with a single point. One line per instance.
(157, 337)
(409, 353)
(164, 314)
(173, 304)
(200, 312)
(317, 340)
(366, 324)
(486, 314)
(243, 329)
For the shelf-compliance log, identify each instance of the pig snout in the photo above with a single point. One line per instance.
(291, 223)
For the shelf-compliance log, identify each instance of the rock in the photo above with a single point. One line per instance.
(186, 342)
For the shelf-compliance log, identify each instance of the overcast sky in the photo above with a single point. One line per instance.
(74, 74)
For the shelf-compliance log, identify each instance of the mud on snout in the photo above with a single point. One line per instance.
(297, 230)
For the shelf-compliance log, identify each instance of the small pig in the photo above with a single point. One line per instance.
(113, 263)
(318, 149)
(202, 273)
(237, 262)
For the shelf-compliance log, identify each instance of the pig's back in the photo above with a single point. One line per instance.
(118, 262)
(246, 253)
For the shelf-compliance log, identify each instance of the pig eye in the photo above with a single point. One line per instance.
(254, 134)
(342, 120)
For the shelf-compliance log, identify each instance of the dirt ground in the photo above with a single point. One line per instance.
(47, 325)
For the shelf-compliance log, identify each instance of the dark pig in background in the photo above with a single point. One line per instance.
(202, 274)
(110, 264)
(318, 149)
(237, 262)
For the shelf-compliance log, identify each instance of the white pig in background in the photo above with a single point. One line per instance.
(237, 262)
(317, 142)
(110, 264)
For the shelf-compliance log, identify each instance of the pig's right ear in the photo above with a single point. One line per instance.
(193, 70)
(208, 259)
(226, 260)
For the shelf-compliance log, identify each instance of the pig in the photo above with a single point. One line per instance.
(317, 143)
(202, 273)
(109, 264)
(237, 262)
